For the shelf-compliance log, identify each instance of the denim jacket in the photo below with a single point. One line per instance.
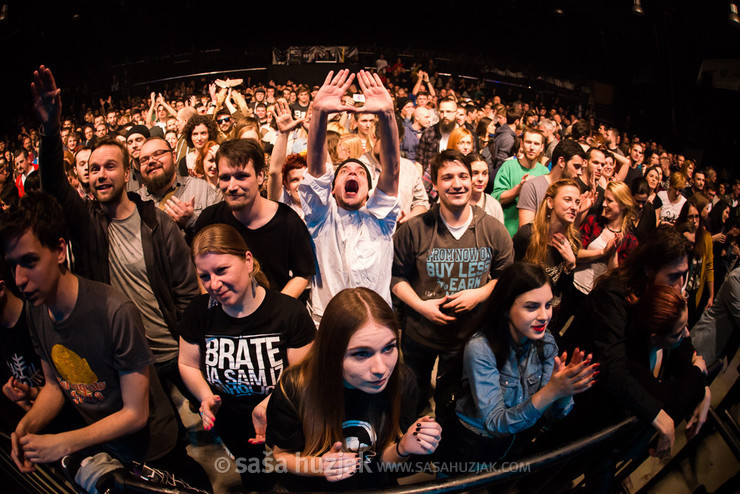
(499, 404)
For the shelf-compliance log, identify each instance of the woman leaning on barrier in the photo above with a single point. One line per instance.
(342, 415)
(512, 374)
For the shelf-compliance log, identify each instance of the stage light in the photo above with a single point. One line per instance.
(734, 18)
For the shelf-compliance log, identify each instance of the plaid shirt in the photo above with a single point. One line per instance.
(426, 150)
(592, 227)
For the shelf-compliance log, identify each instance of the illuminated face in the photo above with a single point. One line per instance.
(35, 267)
(81, 167)
(422, 100)
(171, 138)
(364, 124)
(653, 178)
(612, 209)
(171, 125)
(157, 165)
(108, 175)
(199, 136)
(225, 123)
(460, 116)
(291, 182)
(351, 186)
(532, 146)
(226, 278)
(209, 164)
(100, 130)
(240, 185)
(161, 113)
(454, 185)
(22, 165)
(447, 112)
(564, 205)
(465, 145)
(111, 119)
(370, 358)
(636, 154)
(480, 175)
(574, 167)
(699, 181)
(608, 171)
(133, 144)
(530, 314)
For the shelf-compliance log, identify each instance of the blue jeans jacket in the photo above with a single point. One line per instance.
(499, 404)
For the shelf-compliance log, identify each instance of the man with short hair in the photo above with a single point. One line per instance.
(300, 107)
(698, 181)
(182, 198)
(412, 131)
(505, 137)
(275, 234)
(118, 239)
(567, 162)
(548, 128)
(101, 130)
(225, 124)
(633, 169)
(135, 137)
(434, 140)
(92, 347)
(351, 227)
(440, 295)
(82, 172)
(514, 173)
(111, 119)
(364, 129)
(23, 168)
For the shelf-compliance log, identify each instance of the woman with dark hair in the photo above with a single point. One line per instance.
(723, 236)
(512, 375)
(349, 404)
(700, 280)
(235, 341)
(646, 218)
(654, 176)
(480, 179)
(8, 190)
(197, 131)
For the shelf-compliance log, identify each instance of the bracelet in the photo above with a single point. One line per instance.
(398, 451)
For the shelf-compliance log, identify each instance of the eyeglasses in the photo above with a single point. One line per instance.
(145, 160)
(222, 120)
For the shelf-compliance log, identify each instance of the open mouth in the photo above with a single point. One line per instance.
(104, 187)
(351, 186)
(539, 329)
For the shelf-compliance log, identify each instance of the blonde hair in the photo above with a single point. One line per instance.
(677, 181)
(537, 249)
(458, 135)
(623, 196)
(353, 142)
(224, 239)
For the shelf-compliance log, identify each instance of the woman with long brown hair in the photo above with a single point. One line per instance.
(700, 280)
(235, 342)
(350, 404)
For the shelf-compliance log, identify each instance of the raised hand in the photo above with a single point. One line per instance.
(575, 377)
(377, 98)
(329, 97)
(284, 118)
(47, 99)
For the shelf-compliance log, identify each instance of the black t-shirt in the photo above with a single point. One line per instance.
(102, 338)
(16, 349)
(298, 110)
(360, 429)
(242, 358)
(282, 246)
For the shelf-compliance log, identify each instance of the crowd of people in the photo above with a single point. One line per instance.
(349, 275)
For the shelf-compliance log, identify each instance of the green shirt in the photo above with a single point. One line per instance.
(509, 176)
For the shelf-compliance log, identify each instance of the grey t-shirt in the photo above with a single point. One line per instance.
(533, 193)
(101, 339)
(128, 274)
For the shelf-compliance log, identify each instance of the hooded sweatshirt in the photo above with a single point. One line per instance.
(435, 264)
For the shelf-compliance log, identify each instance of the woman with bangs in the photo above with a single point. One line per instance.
(553, 242)
(349, 404)
(607, 239)
(235, 342)
(461, 139)
(205, 164)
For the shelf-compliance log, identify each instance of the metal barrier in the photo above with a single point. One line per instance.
(528, 465)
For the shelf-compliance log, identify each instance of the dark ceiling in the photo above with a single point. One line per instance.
(652, 60)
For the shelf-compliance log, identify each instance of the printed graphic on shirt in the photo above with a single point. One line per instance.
(359, 437)
(76, 377)
(243, 365)
(26, 373)
(457, 269)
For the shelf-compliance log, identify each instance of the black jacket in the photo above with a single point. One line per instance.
(166, 255)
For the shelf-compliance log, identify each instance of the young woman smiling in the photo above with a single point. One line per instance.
(512, 375)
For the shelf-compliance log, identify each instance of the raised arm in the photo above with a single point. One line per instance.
(379, 102)
(285, 125)
(328, 100)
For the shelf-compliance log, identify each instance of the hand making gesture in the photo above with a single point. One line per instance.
(329, 97)
(47, 99)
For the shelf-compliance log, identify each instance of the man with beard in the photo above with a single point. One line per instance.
(23, 168)
(275, 234)
(351, 227)
(119, 239)
(182, 198)
(440, 303)
(434, 140)
(514, 173)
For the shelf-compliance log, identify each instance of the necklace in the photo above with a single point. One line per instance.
(613, 231)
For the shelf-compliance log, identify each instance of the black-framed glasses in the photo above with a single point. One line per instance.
(224, 119)
(145, 160)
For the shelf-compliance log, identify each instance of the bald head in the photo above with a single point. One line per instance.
(423, 117)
